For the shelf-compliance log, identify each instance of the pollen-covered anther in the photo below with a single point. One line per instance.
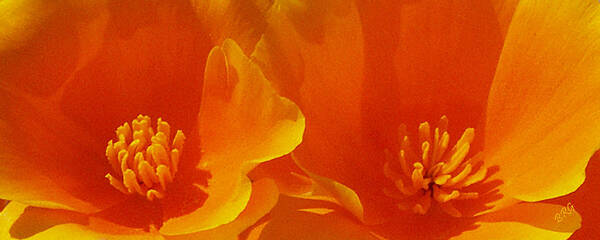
(434, 172)
(144, 161)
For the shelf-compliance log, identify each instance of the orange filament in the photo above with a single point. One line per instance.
(435, 172)
(142, 159)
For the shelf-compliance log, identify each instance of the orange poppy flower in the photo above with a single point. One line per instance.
(122, 120)
(514, 95)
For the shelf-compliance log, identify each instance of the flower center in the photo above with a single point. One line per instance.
(434, 172)
(142, 159)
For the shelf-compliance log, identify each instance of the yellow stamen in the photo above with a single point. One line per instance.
(425, 156)
(437, 173)
(442, 196)
(131, 183)
(474, 178)
(417, 175)
(442, 179)
(442, 146)
(147, 173)
(403, 162)
(154, 194)
(164, 175)
(111, 155)
(148, 164)
(462, 175)
(456, 159)
(174, 161)
(424, 132)
(116, 183)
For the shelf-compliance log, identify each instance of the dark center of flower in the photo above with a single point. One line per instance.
(142, 159)
(434, 172)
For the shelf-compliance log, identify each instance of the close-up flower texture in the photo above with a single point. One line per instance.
(300, 119)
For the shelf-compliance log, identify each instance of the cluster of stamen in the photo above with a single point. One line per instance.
(433, 172)
(142, 159)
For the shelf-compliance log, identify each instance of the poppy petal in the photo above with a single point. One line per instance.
(241, 115)
(543, 108)
(289, 177)
(34, 152)
(585, 200)
(505, 10)
(19, 221)
(426, 59)
(228, 193)
(343, 194)
(296, 218)
(242, 122)
(263, 199)
(525, 221)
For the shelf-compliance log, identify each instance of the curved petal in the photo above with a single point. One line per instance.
(263, 199)
(18, 221)
(505, 10)
(241, 117)
(534, 221)
(228, 193)
(543, 108)
(343, 194)
(289, 178)
(585, 200)
(242, 122)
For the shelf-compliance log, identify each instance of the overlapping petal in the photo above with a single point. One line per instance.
(242, 122)
(19, 221)
(585, 201)
(543, 109)
(290, 179)
(263, 199)
(505, 10)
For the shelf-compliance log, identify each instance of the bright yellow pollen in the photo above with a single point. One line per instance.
(434, 172)
(142, 159)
